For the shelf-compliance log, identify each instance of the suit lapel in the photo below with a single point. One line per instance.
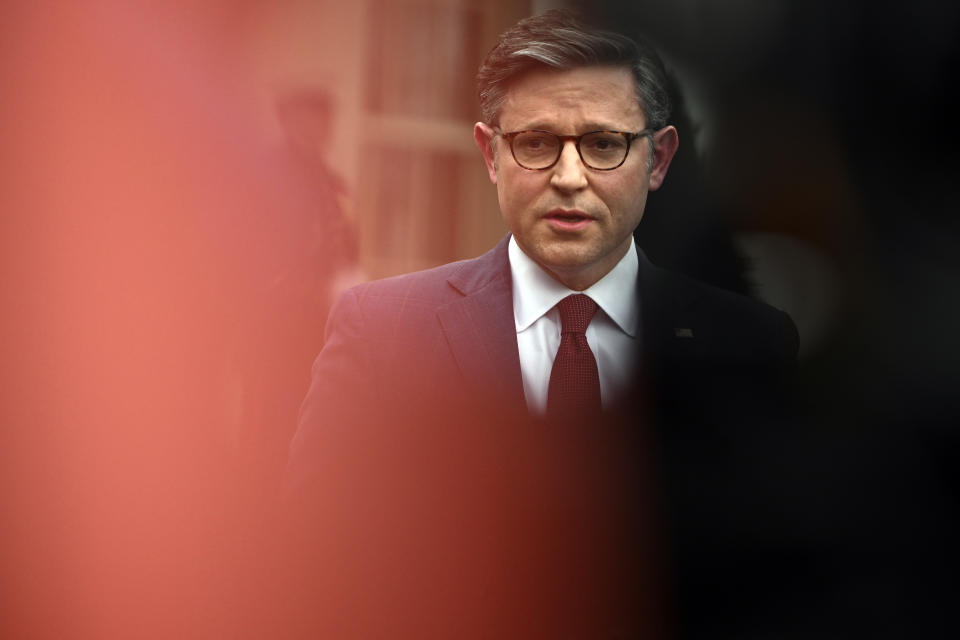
(480, 328)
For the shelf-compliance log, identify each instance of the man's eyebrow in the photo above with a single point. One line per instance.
(604, 126)
(583, 128)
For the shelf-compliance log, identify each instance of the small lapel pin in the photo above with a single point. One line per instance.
(682, 332)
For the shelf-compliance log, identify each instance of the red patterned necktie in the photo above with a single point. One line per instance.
(574, 381)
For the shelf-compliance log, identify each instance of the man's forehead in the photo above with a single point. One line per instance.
(604, 96)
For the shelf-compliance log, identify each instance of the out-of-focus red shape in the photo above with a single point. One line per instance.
(163, 290)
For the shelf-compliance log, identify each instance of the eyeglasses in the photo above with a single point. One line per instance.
(601, 150)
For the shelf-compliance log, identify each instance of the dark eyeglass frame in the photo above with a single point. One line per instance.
(509, 137)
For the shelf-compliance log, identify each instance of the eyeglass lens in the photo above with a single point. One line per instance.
(540, 149)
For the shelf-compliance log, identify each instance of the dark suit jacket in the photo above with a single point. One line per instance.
(441, 505)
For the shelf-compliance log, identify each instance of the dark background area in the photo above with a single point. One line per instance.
(834, 124)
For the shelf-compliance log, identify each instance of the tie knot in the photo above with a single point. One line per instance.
(576, 311)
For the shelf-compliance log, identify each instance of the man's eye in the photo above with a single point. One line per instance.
(534, 143)
(605, 143)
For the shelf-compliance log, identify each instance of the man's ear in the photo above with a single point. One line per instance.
(483, 135)
(665, 144)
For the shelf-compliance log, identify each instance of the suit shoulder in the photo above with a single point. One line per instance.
(406, 301)
(428, 285)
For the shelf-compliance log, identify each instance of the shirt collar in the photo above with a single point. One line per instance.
(535, 292)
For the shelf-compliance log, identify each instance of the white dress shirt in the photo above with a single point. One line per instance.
(613, 334)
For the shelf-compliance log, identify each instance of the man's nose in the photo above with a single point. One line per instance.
(569, 173)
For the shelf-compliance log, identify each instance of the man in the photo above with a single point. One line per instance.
(468, 450)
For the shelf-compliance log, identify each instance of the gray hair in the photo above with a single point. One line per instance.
(559, 40)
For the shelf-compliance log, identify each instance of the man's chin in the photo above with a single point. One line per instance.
(566, 259)
(567, 268)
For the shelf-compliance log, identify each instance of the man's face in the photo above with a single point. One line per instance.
(574, 221)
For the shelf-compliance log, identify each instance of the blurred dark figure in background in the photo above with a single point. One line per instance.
(164, 282)
(307, 118)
